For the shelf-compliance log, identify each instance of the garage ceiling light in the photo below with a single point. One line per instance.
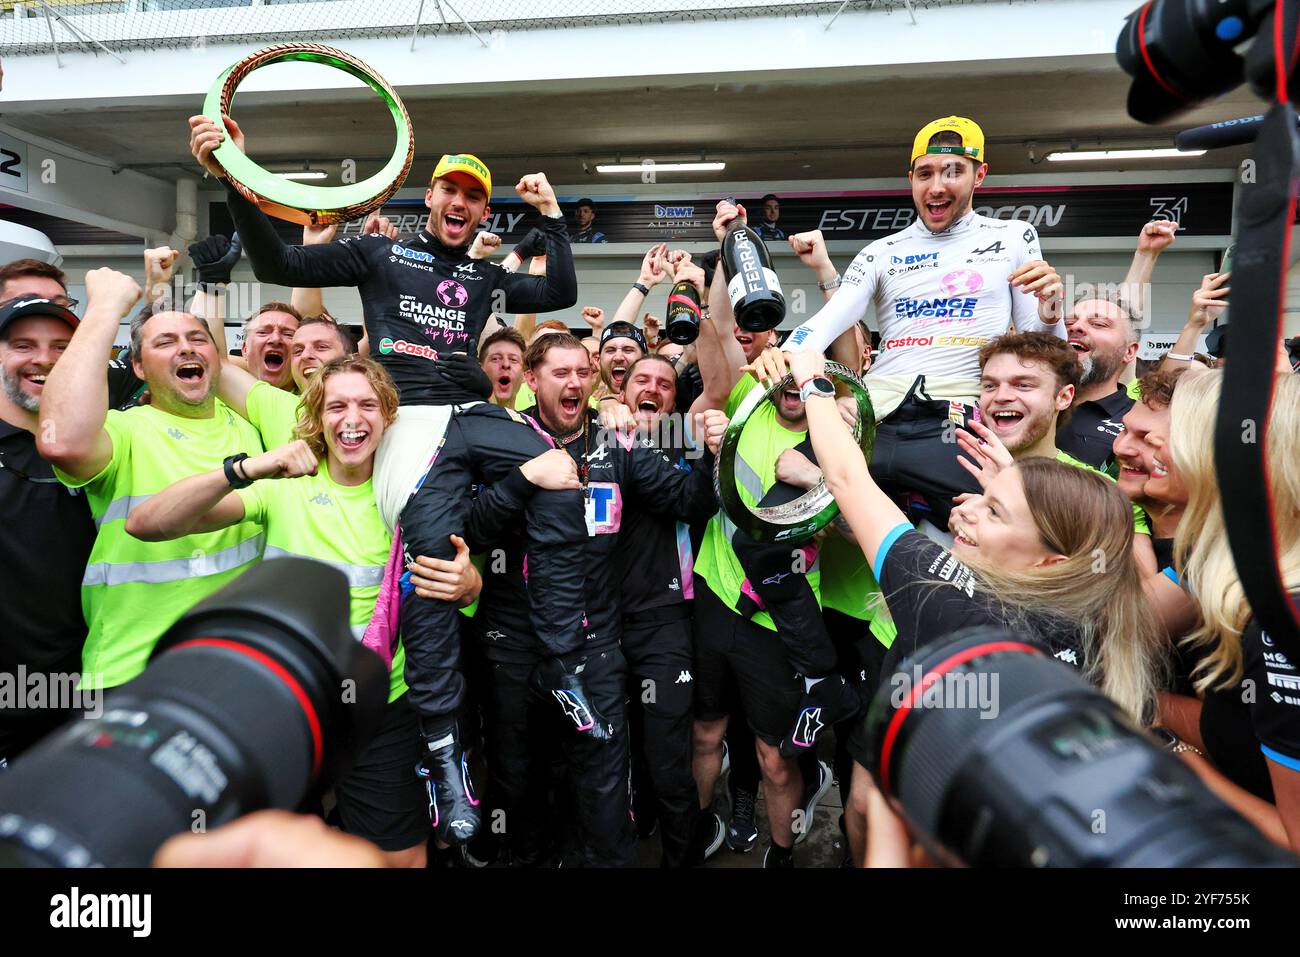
(1072, 155)
(660, 167)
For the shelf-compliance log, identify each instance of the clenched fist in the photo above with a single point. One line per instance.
(287, 461)
(535, 190)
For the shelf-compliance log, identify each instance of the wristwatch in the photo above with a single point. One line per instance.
(641, 289)
(830, 284)
(817, 385)
(233, 474)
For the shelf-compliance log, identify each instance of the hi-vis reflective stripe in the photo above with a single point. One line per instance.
(175, 569)
(749, 480)
(359, 576)
(122, 507)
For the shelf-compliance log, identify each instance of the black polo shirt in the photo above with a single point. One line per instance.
(1092, 428)
(45, 537)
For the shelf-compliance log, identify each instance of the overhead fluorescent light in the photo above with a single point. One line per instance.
(303, 174)
(1073, 155)
(659, 167)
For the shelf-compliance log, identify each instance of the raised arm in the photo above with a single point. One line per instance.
(717, 352)
(1209, 302)
(654, 270)
(1156, 236)
(74, 405)
(205, 502)
(526, 322)
(871, 514)
(558, 289)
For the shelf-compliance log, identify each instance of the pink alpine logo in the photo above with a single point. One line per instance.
(957, 282)
(452, 293)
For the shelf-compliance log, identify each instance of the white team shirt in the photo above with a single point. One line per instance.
(938, 296)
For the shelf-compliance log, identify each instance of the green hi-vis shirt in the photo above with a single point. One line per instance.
(761, 444)
(1141, 525)
(315, 517)
(133, 591)
(273, 413)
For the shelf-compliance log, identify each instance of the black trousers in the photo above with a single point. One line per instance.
(482, 445)
(521, 727)
(660, 687)
(915, 455)
(777, 573)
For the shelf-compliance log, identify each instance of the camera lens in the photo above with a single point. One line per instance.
(257, 698)
(1001, 756)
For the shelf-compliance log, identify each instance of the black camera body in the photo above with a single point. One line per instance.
(1183, 52)
(259, 697)
(1000, 756)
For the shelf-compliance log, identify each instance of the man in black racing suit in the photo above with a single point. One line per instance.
(619, 473)
(425, 303)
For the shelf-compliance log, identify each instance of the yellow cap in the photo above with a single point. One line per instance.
(466, 163)
(972, 139)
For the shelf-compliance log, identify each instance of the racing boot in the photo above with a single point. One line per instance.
(453, 805)
(832, 699)
(561, 680)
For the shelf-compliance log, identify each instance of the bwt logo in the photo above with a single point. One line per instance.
(411, 254)
(674, 212)
(911, 260)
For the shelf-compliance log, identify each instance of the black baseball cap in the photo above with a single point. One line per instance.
(585, 201)
(623, 330)
(24, 306)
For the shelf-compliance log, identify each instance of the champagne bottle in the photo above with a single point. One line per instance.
(752, 285)
(683, 321)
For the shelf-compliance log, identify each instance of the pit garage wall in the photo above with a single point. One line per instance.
(606, 272)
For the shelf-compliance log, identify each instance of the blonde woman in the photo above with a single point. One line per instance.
(1046, 548)
(1250, 720)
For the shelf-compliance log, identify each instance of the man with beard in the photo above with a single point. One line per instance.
(502, 357)
(615, 475)
(1028, 382)
(45, 529)
(654, 568)
(134, 591)
(425, 303)
(941, 288)
(1104, 334)
(31, 277)
(621, 344)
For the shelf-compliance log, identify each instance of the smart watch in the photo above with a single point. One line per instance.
(233, 474)
(817, 385)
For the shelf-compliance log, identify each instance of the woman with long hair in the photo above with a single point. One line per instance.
(1249, 681)
(1045, 549)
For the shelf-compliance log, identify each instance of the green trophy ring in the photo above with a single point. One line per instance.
(810, 512)
(302, 202)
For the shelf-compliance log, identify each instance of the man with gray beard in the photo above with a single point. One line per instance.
(1103, 334)
(46, 530)
(1103, 331)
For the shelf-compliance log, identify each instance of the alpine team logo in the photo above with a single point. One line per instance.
(961, 281)
(452, 293)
